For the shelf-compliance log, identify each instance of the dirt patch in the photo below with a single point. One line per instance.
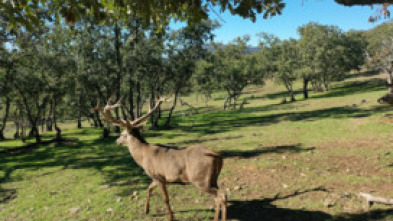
(386, 119)
(365, 142)
(294, 182)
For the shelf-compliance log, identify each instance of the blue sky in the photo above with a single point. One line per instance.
(295, 14)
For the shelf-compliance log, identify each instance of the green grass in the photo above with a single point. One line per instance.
(282, 162)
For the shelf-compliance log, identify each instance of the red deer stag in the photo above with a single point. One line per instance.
(163, 164)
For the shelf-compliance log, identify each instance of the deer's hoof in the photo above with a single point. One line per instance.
(147, 211)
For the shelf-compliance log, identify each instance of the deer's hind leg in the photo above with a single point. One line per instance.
(220, 202)
(223, 203)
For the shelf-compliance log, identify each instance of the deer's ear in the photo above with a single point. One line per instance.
(139, 126)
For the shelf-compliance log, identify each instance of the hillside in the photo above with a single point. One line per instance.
(302, 161)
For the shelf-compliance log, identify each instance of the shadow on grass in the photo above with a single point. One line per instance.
(354, 87)
(264, 150)
(264, 209)
(233, 120)
(280, 95)
(203, 140)
(343, 89)
(103, 155)
(363, 74)
(7, 194)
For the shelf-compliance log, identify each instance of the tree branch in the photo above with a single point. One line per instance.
(372, 199)
(362, 2)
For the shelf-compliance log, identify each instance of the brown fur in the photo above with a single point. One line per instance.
(197, 165)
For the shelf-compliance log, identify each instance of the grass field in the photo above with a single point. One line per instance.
(301, 161)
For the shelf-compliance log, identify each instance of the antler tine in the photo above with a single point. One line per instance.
(151, 111)
(98, 103)
(97, 107)
(108, 102)
(110, 106)
(108, 115)
(118, 103)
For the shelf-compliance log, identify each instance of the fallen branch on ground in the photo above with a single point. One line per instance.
(188, 105)
(373, 199)
(8, 196)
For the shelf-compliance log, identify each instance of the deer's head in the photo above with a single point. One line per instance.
(131, 128)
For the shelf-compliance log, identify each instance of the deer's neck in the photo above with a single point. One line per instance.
(137, 145)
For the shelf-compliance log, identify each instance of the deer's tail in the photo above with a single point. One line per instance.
(217, 166)
(214, 154)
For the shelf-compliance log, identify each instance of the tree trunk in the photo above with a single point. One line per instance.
(305, 87)
(58, 130)
(138, 99)
(207, 98)
(34, 119)
(80, 112)
(36, 133)
(123, 112)
(42, 121)
(106, 131)
(317, 86)
(31, 133)
(389, 80)
(95, 121)
(17, 126)
(119, 72)
(292, 96)
(168, 120)
(235, 96)
(7, 111)
(153, 117)
(291, 93)
(97, 117)
(23, 132)
(49, 122)
(288, 86)
(79, 122)
(325, 81)
(227, 102)
(326, 85)
(131, 100)
(157, 117)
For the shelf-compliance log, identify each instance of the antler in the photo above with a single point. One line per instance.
(159, 102)
(106, 111)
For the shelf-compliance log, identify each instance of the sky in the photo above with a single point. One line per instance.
(295, 14)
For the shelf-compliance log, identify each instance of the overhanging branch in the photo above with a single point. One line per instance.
(362, 2)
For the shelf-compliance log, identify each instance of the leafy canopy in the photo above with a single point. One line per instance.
(28, 13)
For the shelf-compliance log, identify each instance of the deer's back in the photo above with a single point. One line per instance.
(183, 165)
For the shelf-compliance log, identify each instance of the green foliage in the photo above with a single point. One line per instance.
(286, 63)
(29, 13)
(380, 50)
(232, 68)
(205, 81)
(375, 36)
(329, 53)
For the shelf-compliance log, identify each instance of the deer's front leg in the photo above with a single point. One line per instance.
(152, 186)
(162, 185)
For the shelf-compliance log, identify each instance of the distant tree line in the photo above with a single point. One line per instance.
(60, 72)
(57, 71)
(322, 55)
